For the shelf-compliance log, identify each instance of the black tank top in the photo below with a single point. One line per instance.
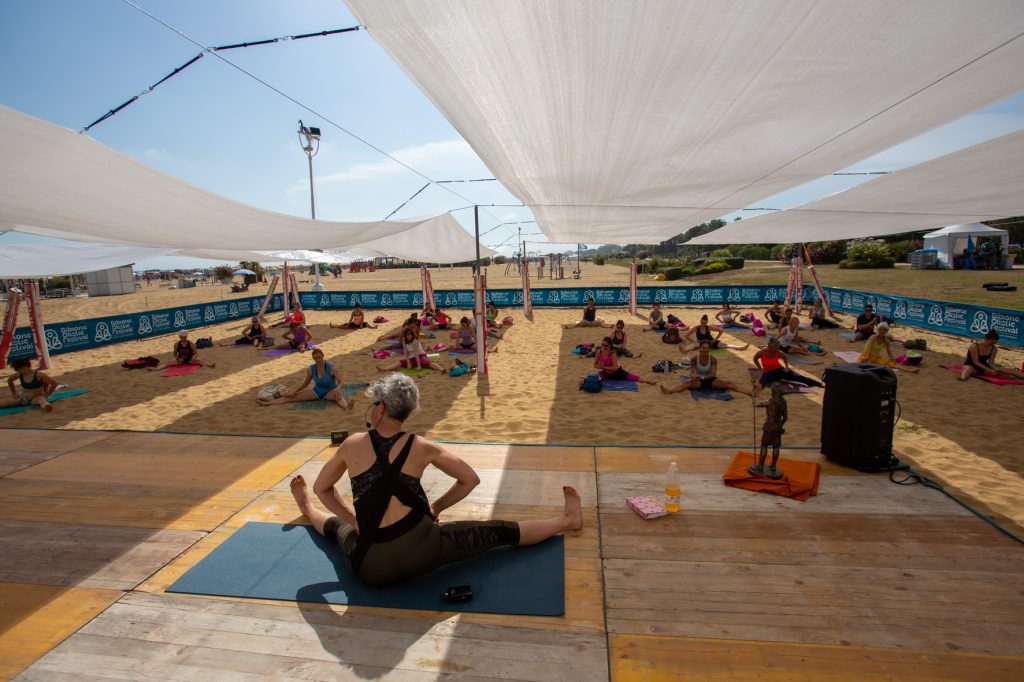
(370, 490)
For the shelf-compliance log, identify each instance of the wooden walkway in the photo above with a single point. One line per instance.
(868, 580)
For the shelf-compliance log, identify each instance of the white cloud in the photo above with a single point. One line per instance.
(447, 160)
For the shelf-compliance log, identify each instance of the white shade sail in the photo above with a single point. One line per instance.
(72, 187)
(983, 182)
(627, 121)
(49, 260)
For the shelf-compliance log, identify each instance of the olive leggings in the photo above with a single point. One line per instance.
(423, 547)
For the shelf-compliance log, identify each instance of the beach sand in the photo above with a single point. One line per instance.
(965, 435)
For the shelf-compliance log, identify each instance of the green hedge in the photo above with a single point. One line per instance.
(734, 263)
(672, 273)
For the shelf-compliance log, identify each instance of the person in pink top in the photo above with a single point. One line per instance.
(607, 364)
(413, 355)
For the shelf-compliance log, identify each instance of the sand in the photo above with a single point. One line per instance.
(965, 435)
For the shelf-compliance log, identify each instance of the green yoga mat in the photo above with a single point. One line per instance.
(273, 561)
(54, 397)
(348, 390)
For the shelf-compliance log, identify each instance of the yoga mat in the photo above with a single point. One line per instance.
(278, 352)
(311, 405)
(847, 355)
(847, 335)
(273, 561)
(795, 359)
(799, 481)
(998, 381)
(414, 372)
(54, 397)
(462, 351)
(787, 386)
(349, 390)
(619, 385)
(733, 326)
(710, 394)
(181, 370)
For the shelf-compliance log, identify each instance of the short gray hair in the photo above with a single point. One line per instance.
(399, 394)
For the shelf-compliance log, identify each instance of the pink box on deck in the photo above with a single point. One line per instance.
(647, 507)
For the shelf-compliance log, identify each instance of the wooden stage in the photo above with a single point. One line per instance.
(868, 580)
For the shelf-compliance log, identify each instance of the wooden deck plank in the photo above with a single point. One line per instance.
(35, 618)
(227, 638)
(25, 448)
(648, 658)
(115, 503)
(862, 494)
(697, 460)
(812, 539)
(111, 557)
(882, 607)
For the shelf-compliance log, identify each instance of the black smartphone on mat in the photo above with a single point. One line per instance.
(458, 593)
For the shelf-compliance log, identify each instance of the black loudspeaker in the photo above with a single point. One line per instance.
(858, 416)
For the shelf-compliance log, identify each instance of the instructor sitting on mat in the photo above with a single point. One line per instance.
(394, 533)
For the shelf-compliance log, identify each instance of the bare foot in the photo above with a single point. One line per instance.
(573, 508)
(48, 407)
(351, 404)
(663, 389)
(211, 365)
(640, 355)
(300, 493)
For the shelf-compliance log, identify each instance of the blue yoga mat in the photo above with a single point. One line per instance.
(710, 394)
(54, 397)
(273, 561)
(619, 385)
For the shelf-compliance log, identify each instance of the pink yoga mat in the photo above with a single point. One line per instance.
(998, 381)
(181, 370)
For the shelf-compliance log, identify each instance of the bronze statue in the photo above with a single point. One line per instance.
(777, 412)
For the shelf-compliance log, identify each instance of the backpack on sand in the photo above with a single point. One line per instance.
(662, 366)
(672, 336)
(591, 383)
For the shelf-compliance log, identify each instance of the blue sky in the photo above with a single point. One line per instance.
(68, 62)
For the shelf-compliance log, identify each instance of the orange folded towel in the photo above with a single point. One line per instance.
(799, 480)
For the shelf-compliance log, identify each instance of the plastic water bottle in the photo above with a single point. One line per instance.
(672, 488)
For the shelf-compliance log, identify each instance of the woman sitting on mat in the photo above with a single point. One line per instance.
(608, 365)
(395, 335)
(184, 353)
(773, 314)
(618, 338)
(704, 333)
(252, 336)
(297, 338)
(878, 350)
(727, 317)
(394, 533)
(466, 339)
(790, 340)
(818, 319)
(413, 355)
(770, 361)
(590, 318)
(326, 380)
(36, 386)
(441, 321)
(981, 359)
(296, 315)
(357, 320)
(704, 374)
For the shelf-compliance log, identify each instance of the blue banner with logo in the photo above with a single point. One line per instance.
(953, 318)
(962, 319)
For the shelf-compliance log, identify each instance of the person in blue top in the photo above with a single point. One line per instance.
(327, 384)
(36, 386)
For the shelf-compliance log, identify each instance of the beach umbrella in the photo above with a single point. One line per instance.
(198, 274)
(243, 271)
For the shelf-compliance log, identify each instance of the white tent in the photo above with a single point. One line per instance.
(29, 261)
(74, 188)
(632, 121)
(951, 241)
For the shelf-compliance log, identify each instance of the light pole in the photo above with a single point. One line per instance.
(307, 136)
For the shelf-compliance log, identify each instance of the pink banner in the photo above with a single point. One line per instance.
(270, 294)
(286, 285)
(789, 287)
(428, 288)
(10, 323)
(35, 315)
